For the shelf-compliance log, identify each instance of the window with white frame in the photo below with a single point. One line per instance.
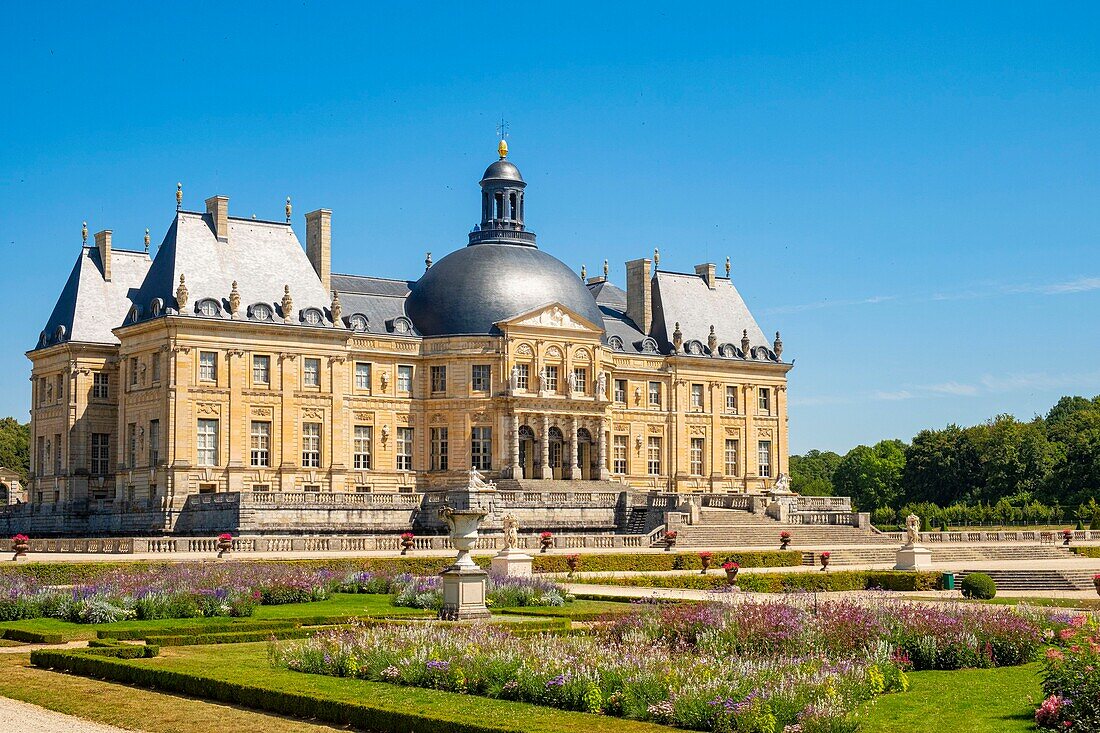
(481, 448)
(764, 396)
(523, 376)
(404, 449)
(439, 449)
(580, 380)
(653, 449)
(618, 453)
(101, 454)
(208, 366)
(695, 456)
(731, 456)
(654, 394)
(551, 374)
(207, 443)
(404, 379)
(697, 397)
(764, 457)
(311, 445)
(101, 386)
(480, 379)
(362, 376)
(439, 379)
(620, 390)
(731, 398)
(261, 369)
(361, 447)
(311, 372)
(261, 443)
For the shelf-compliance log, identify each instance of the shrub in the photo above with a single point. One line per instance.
(894, 580)
(1070, 680)
(979, 586)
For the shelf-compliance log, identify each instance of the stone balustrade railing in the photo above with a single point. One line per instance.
(328, 498)
(824, 504)
(835, 518)
(1022, 535)
(725, 501)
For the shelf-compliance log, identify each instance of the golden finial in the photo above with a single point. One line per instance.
(287, 209)
(84, 234)
(502, 149)
(727, 268)
(502, 133)
(146, 240)
(584, 272)
(605, 271)
(656, 258)
(179, 196)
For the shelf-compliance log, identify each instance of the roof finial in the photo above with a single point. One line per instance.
(146, 240)
(656, 258)
(727, 268)
(287, 209)
(677, 338)
(712, 342)
(288, 304)
(84, 234)
(777, 347)
(337, 310)
(234, 300)
(428, 262)
(584, 272)
(502, 133)
(605, 271)
(745, 344)
(181, 295)
(179, 196)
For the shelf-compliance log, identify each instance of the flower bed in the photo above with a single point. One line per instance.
(427, 592)
(747, 667)
(784, 582)
(1071, 679)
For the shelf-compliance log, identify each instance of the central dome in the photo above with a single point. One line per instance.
(470, 290)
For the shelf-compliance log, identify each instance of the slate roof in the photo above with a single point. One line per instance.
(89, 307)
(684, 298)
(382, 301)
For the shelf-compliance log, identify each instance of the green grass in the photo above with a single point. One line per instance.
(340, 604)
(579, 610)
(999, 700)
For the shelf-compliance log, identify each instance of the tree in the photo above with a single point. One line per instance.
(941, 467)
(1075, 479)
(1015, 457)
(812, 474)
(872, 476)
(15, 446)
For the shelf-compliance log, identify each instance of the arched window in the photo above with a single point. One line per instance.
(208, 307)
(262, 312)
(312, 317)
(615, 343)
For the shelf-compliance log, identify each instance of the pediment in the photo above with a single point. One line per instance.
(552, 316)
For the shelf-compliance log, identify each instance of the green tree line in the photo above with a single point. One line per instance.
(15, 446)
(1002, 471)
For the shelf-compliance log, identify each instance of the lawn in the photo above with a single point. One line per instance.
(998, 700)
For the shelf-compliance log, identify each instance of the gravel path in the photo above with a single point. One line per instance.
(28, 718)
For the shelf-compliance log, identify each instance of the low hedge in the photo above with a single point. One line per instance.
(186, 627)
(233, 637)
(33, 637)
(1093, 551)
(124, 651)
(789, 582)
(653, 561)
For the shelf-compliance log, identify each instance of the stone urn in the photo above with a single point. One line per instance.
(225, 544)
(704, 560)
(464, 583)
(407, 542)
(1067, 535)
(669, 539)
(546, 541)
(784, 540)
(1096, 583)
(731, 569)
(824, 560)
(20, 545)
(572, 561)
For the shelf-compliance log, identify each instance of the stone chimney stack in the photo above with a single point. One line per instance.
(218, 208)
(103, 244)
(639, 294)
(319, 244)
(707, 273)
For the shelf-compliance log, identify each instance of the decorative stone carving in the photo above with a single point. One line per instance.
(712, 342)
(288, 304)
(777, 346)
(677, 338)
(234, 301)
(384, 378)
(912, 529)
(336, 309)
(745, 343)
(601, 384)
(182, 295)
(513, 378)
(571, 378)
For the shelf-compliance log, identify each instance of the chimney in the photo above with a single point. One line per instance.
(639, 294)
(218, 208)
(319, 244)
(707, 273)
(103, 244)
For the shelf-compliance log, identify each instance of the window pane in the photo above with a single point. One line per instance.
(311, 372)
(362, 376)
(208, 366)
(261, 369)
(618, 450)
(620, 390)
(439, 449)
(404, 378)
(763, 457)
(481, 448)
(479, 379)
(362, 447)
(654, 456)
(404, 449)
(208, 443)
(311, 445)
(731, 457)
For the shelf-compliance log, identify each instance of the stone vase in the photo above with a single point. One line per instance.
(1096, 584)
(545, 543)
(224, 546)
(20, 549)
(784, 542)
(824, 562)
(705, 560)
(731, 576)
(406, 545)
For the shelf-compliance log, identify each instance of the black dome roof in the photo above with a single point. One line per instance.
(471, 289)
(502, 170)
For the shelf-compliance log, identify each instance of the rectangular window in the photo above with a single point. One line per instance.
(208, 366)
(311, 445)
(361, 447)
(551, 374)
(41, 460)
(731, 398)
(405, 379)
(101, 454)
(618, 454)
(362, 376)
(695, 456)
(101, 386)
(133, 371)
(764, 457)
(207, 488)
(580, 380)
(764, 396)
(620, 390)
(60, 391)
(155, 359)
(311, 372)
(261, 369)
(439, 449)
(154, 442)
(312, 488)
(523, 376)
(261, 443)
(207, 443)
(654, 394)
(480, 380)
(731, 457)
(57, 453)
(261, 487)
(653, 462)
(481, 448)
(404, 449)
(697, 397)
(439, 379)
(131, 445)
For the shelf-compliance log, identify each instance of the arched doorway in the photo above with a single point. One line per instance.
(556, 441)
(526, 451)
(585, 454)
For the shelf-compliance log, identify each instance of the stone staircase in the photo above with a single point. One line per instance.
(738, 528)
(1039, 580)
(945, 554)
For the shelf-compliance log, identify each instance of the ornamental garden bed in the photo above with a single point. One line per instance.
(841, 580)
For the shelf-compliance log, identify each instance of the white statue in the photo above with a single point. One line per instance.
(511, 531)
(572, 379)
(542, 380)
(601, 384)
(477, 481)
(912, 529)
(513, 378)
(782, 483)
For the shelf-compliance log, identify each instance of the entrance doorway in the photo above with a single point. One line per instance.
(556, 440)
(584, 453)
(526, 451)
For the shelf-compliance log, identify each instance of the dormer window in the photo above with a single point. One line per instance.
(312, 317)
(615, 343)
(402, 325)
(156, 307)
(358, 322)
(208, 307)
(262, 312)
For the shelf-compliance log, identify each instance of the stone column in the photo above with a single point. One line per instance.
(544, 470)
(602, 448)
(575, 449)
(516, 470)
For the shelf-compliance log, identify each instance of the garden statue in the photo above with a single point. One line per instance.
(912, 556)
(513, 378)
(511, 531)
(511, 560)
(912, 529)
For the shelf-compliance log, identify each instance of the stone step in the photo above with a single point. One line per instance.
(968, 553)
(1035, 579)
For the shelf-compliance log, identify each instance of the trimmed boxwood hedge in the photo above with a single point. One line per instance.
(186, 627)
(233, 637)
(788, 582)
(653, 561)
(33, 637)
(123, 651)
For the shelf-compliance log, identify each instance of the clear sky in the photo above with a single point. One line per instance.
(909, 193)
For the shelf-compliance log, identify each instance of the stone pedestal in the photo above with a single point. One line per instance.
(511, 562)
(464, 593)
(914, 557)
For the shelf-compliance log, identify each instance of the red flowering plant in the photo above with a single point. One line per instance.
(20, 539)
(546, 535)
(1067, 532)
(730, 565)
(225, 537)
(825, 554)
(784, 535)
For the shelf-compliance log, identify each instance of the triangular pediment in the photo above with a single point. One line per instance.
(552, 316)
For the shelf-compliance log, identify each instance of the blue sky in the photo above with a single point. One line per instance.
(908, 193)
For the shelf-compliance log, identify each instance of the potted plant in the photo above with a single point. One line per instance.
(669, 539)
(704, 558)
(225, 543)
(546, 541)
(784, 539)
(731, 569)
(824, 560)
(406, 542)
(20, 543)
(571, 561)
(1067, 535)
(1096, 583)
